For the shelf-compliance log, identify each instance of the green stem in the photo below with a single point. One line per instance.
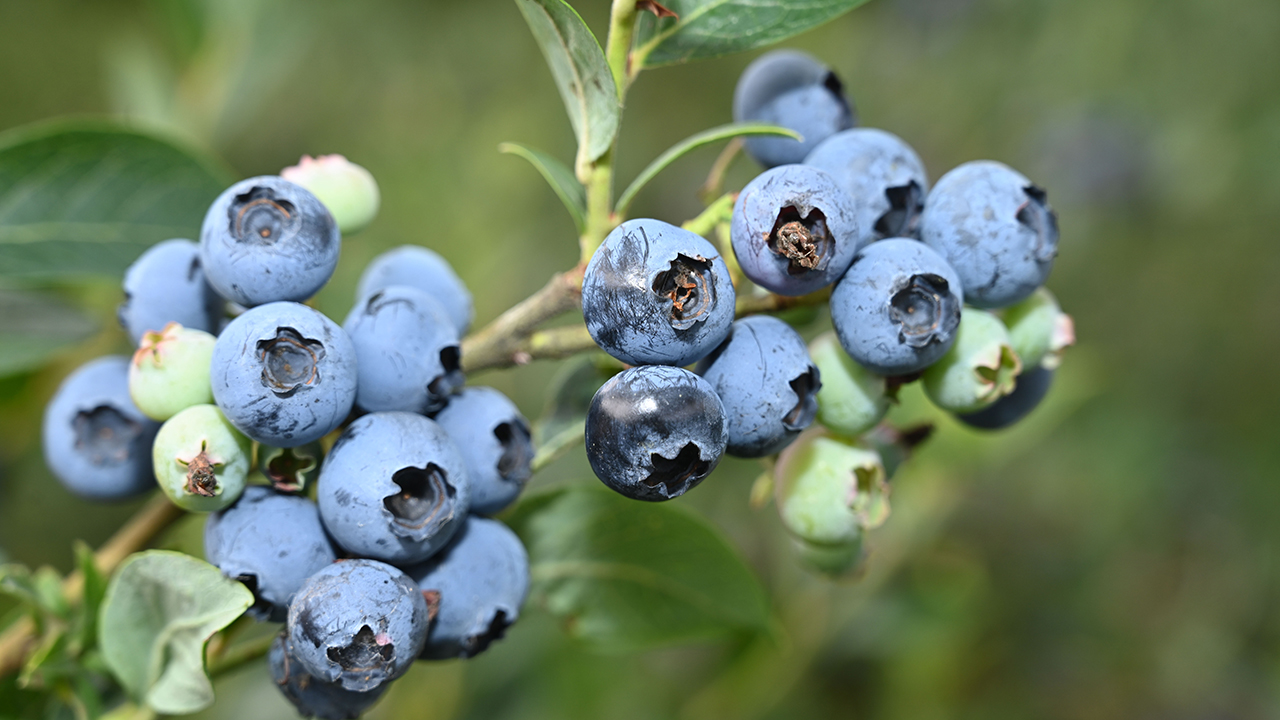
(720, 210)
(622, 27)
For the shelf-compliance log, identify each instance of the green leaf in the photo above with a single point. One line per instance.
(95, 588)
(570, 396)
(624, 575)
(581, 73)
(693, 142)
(34, 326)
(160, 610)
(40, 590)
(711, 28)
(86, 198)
(558, 176)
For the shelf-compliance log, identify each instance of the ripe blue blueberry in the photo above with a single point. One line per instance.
(284, 374)
(897, 309)
(166, 284)
(96, 441)
(266, 239)
(311, 696)
(1029, 389)
(884, 176)
(358, 624)
(270, 542)
(656, 294)
(424, 269)
(795, 230)
(494, 439)
(482, 578)
(406, 351)
(654, 432)
(394, 487)
(767, 383)
(995, 228)
(794, 90)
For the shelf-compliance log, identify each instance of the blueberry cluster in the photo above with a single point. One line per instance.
(346, 468)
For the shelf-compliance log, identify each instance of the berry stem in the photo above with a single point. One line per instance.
(756, 304)
(497, 344)
(239, 655)
(718, 211)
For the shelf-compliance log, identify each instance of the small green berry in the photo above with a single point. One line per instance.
(201, 460)
(1039, 331)
(852, 399)
(346, 189)
(834, 560)
(170, 371)
(828, 490)
(979, 369)
(290, 470)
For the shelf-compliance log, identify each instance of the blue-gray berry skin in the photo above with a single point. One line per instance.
(266, 239)
(794, 90)
(96, 441)
(897, 309)
(270, 542)
(884, 176)
(311, 696)
(995, 228)
(1030, 388)
(358, 624)
(482, 578)
(795, 229)
(407, 353)
(426, 270)
(394, 487)
(654, 432)
(656, 294)
(495, 442)
(166, 284)
(767, 383)
(284, 374)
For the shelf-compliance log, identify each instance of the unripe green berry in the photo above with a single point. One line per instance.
(852, 399)
(1039, 331)
(290, 470)
(979, 369)
(200, 460)
(170, 371)
(828, 490)
(346, 189)
(834, 560)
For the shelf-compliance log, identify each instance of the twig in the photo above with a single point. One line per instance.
(497, 343)
(756, 304)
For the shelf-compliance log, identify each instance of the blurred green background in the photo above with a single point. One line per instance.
(1112, 557)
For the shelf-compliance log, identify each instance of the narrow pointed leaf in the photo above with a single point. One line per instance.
(34, 326)
(558, 176)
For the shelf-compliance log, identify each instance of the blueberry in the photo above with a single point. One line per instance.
(654, 432)
(795, 230)
(201, 461)
(656, 294)
(995, 228)
(482, 578)
(495, 441)
(348, 191)
(883, 174)
(794, 90)
(424, 269)
(406, 351)
(166, 284)
(767, 383)
(96, 441)
(897, 309)
(394, 487)
(1039, 331)
(829, 491)
(284, 374)
(852, 399)
(170, 371)
(290, 470)
(311, 696)
(978, 369)
(1028, 390)
(358, 624)
(270, 542)
(266, 239)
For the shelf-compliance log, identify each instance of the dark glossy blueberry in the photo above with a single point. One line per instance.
(166, 284)
(311, 696)
(358, 624)
(265, 240)
(767, 383)
(1030, 388)
(794, 90)
(995, 228)
(656, 294)
(406, 351)
(394, 487)
(884, 176)
(494, 439)
(482, 579)
(897, 309)
(96, 441)
(795, 230)
(423, 268)
(654, 432)
(270, 542)
(284, 374)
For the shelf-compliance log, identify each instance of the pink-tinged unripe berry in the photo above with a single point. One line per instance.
(1039, 331)
(170, 371)
(346, 189)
